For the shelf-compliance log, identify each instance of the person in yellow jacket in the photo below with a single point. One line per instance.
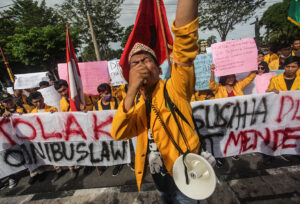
(228, 86)
(284, 53)
(21, 100)
(9, 105)
(273, 54)
(106, 101)
(296, 47)
(62, 88)
(37, 100)
(289, 80)
(158, 136)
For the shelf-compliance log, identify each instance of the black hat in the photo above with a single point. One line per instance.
(5, 96)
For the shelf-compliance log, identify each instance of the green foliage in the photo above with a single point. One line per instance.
(126, 35)
(104, 15)
(33, 37)
(279, 28)
(223, 15)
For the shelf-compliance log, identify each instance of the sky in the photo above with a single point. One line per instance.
(130, 7)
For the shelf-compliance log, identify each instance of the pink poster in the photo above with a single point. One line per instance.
(236, 56)
(92, 75)
(263, 81)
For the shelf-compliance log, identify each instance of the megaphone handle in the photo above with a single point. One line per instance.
(185, 168)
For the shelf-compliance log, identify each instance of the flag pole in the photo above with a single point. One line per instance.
(164, 34)
(7, 67)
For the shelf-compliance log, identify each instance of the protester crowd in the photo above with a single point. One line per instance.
(282, 57)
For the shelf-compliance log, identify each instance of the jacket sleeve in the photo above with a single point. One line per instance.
(213, 86)
(246, 81)
(124, 125)
(185, 49)
(271, 85)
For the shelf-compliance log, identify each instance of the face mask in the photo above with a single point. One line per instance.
(107, 97)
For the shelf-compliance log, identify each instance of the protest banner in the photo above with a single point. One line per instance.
(31, 80)
(234, 56)
(115, 73)
(51, 97)
(61, 139)
(263, 81)
(202, 65)
(268, 123)
(92, 75)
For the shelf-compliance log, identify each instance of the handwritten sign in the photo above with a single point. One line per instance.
(234, 56)
(51, 97)
(60, 139)
(277, 71)
(266, 123)
(31, 80)
(92, 75)
(202, 64)
(263, 81)
(115, 73)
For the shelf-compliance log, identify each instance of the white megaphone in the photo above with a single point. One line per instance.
(202, 178)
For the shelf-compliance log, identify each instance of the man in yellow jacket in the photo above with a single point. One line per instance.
(37, 100)
(9, 105)
(62, 88)
(289, 80)
(284, 53)
(158, 135)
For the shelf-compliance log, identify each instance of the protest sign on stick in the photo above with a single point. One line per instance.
(31, 80)
(115, 73)
(51, 97)
(92, 75)
(234, 56)
(202, 64)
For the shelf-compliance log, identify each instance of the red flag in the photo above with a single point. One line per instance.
(75, 84)
(147, 30)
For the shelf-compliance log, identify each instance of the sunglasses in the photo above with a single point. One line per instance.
(261, 68)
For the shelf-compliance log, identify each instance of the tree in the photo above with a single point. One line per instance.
(223, 15)
(211, 40)
(104, 15)
(37, 40)
(278, 26)
(126, 35)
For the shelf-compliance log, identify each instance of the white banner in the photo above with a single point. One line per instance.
(51, 97)
(61, 139)
(115, 73)
(28, 81)
(268, 123)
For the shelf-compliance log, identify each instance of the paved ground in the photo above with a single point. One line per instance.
(240, 181)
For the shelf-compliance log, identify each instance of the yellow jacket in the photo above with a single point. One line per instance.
(274, 65)
(46, 109)
(180, 88)
(220, 91)
(65, 104)
(278, 82)
(269, 58)
(113, 104)
(19, 109)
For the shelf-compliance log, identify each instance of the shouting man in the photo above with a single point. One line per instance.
(161, 137)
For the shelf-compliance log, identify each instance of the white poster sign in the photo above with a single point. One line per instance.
(115, 73)
(29, 81)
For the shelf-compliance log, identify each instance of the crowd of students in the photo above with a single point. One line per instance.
(284, 57)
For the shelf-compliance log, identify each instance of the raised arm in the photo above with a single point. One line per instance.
(187, 11)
